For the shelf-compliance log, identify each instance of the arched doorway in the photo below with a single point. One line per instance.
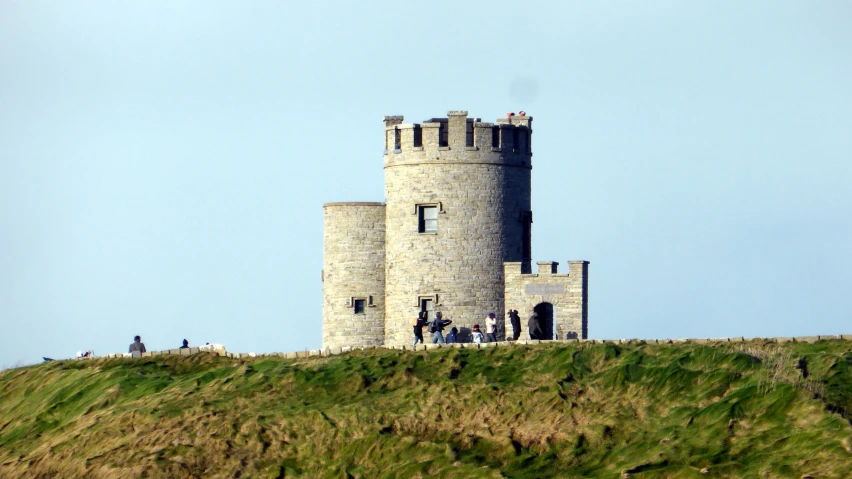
(545, 318)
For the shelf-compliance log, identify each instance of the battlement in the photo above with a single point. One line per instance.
(545, 268)
(458, 138)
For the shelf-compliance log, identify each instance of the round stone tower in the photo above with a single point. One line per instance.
(458, 207)
(353, 275)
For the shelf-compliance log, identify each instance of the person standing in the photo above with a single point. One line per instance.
(452, 336)
(137, 348)
(438, 325)
(516, 324)
(418, 324)
(491, 328)
(476, 334)
(185, 345)
(534, 326)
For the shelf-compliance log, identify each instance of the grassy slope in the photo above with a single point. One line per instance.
(523, 412)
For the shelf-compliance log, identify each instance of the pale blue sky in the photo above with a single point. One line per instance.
(163, 165)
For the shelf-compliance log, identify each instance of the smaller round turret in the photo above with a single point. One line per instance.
(353, 275)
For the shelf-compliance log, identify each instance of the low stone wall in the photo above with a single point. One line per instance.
(175, 352)
(800, 339)
(500, 344)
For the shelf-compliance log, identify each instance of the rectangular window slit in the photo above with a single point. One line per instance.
(428, 219)
(526, 240)
(359, 306)
(427, 307)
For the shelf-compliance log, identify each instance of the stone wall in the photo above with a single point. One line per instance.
(568, 293)
(325, 352)
(480, 184)
(353, 269)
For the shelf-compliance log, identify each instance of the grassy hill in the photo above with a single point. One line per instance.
(580, 410)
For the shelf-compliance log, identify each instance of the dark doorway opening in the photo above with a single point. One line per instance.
(545, 318)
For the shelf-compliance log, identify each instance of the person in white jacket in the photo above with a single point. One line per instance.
(491, 328)
(476, 334)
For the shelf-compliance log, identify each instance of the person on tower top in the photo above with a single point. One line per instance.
(437, 326)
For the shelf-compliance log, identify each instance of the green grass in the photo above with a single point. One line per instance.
(582, 410)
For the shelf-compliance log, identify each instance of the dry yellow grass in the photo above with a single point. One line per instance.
(522, 412)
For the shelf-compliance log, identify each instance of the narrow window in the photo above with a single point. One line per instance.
(516, 141)
(443, 134)
(427, 307)
(418, 136)
(397, 142)
(526, 241)
(468, 141)
(428, 219)
(495, 137)
(359, 305)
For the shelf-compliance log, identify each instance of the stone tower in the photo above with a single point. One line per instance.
(458, 207)
(455, 235)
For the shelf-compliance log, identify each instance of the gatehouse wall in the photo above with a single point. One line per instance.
(568, 293)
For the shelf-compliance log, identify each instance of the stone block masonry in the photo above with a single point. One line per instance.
(353, 275)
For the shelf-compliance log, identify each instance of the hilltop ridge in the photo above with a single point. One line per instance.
(752, 409)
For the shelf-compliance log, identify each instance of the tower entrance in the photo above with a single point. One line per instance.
(545, 318)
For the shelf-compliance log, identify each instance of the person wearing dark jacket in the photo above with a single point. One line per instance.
(534, 326)
(418, 324)
(438, 325)
(452, 336)
(185, 345)
(516, 324)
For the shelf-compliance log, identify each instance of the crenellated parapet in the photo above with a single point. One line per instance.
(458, 139)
